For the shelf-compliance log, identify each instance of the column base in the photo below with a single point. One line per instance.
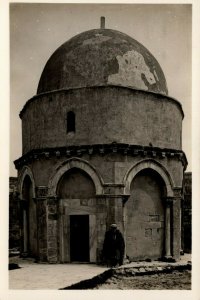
(24, 254)
(168, 258)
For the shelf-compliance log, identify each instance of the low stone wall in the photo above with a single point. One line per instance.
(126, 271)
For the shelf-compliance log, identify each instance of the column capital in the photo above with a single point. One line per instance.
(41, 192)
(168, 203)
(178, 192)
(52, 199)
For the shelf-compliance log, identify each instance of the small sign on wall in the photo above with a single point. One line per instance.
(154, 218)
(148, 232)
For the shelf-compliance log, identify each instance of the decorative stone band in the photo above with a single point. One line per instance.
(113, 189)
(102, 149)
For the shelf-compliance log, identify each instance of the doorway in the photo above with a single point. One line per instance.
(79, 238)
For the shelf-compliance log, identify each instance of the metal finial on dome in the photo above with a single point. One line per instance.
(102, 22)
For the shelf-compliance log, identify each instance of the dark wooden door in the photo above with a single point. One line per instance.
(79, 238)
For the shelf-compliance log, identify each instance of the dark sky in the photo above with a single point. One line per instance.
(37, 30)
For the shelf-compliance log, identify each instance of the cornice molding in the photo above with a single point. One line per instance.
(101, 149)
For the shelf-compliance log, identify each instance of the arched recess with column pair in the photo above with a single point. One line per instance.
(26, 187)
(146, 212)
(75, 184)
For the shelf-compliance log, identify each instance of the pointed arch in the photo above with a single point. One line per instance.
(26, 171)
(79, 164)
(149, 164)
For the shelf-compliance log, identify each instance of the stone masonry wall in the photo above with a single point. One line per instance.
(103, 210)
(102, 115)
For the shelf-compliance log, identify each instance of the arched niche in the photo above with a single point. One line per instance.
(153, 165)
(29, 211)
(145, 216)
(26, 171)
(76, 184)
(75, 163)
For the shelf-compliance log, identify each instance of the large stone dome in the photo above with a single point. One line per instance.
(102, 57)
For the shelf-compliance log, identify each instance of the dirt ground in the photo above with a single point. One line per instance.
(171, 281)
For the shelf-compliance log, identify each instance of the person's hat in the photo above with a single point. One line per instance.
(113, 225)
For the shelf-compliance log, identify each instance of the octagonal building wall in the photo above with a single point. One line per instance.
(103, 115)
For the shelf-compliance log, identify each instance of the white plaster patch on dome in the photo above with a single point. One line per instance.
(155, 74)
(125, 41)
(96, 40)
(131, 67)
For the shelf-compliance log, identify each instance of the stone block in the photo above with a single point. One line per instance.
(52, 244)
(142, 270)
(52, 209)
(52, 252)
(148, 232)
(53, 216)
(52, 228)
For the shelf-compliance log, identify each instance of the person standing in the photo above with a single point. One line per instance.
(113, 247)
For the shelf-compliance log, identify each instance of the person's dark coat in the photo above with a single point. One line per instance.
(113, 248)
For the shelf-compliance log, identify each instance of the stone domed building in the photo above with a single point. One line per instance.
(101, 145)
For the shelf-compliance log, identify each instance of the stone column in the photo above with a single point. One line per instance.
(25, 231)
(125, 199)
(24, 226)
(52, 229)
(176, 223)
(168, 203)
(63, 252)
(182, 228)
(41, 205)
